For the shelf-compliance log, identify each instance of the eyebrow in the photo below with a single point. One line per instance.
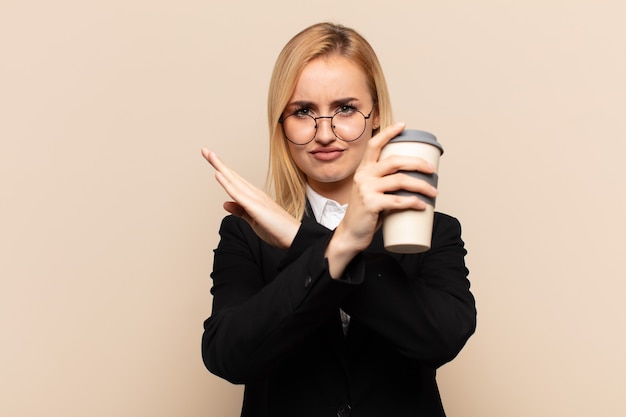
(334, 103)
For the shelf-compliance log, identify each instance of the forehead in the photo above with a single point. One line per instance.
(325, 79)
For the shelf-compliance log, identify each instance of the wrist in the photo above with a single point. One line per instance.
(339, 252)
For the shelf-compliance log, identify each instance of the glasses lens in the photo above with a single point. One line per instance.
(349, 126)
(299, 129)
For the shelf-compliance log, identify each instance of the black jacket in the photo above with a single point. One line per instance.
(275, 324)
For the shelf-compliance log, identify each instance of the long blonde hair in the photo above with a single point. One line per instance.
(284, 178)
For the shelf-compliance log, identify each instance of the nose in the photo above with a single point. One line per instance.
(324, 132)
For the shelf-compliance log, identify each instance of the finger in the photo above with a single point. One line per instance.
(249, 198)
(402, 202)
(222, 179)
(218, 164)
(404, 182)
(214, 160)
(234, 208)
(234, 189)
(228, 179)
(395, 163)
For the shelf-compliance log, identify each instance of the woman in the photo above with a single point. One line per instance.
(309, 311)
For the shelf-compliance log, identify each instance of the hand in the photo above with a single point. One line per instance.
(373, 179)
(268, 220)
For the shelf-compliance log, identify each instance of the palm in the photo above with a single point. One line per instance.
(268, 220)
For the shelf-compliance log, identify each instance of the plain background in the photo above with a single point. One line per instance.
(109, 214)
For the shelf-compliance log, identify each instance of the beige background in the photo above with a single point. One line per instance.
(109, 214)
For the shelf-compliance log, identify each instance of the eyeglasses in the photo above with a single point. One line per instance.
(348, 125)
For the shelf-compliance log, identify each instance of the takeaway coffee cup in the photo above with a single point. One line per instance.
(410, 231)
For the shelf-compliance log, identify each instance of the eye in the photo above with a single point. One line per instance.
(302, 112)
(346, 110)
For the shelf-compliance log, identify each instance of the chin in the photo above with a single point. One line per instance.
(329, 179)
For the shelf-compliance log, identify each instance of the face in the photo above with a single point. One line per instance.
(328, 85)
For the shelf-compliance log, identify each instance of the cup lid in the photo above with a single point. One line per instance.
(413, 135)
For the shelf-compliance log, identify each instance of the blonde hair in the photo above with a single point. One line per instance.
(284, 178)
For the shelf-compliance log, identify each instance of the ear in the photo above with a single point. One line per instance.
(375, 121)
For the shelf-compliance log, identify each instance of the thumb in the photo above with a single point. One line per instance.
(234, 208)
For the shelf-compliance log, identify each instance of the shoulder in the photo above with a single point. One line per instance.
(446, 225)
(232, 221)
(234, 227)
(446, 220)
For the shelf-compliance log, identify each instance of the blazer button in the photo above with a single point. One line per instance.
(307, 281)
(344, 411)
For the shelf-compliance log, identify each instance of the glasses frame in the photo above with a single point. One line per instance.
(332, 127)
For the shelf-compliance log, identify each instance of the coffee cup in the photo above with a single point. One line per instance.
(410, 231)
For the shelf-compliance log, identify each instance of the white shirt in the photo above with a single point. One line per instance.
(328, 213)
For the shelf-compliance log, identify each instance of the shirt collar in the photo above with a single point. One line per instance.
(324, 208)
(317, 202)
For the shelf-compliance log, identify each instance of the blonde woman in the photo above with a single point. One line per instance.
(309, 311)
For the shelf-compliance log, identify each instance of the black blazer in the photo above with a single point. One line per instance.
(276, 328)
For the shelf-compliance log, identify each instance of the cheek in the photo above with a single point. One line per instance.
(292, 151)
(361, 146)
(296, 153)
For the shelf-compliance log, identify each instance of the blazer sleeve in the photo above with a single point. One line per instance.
(422, 303)
(266, 300)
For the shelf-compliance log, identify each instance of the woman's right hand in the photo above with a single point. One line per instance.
(268, 220)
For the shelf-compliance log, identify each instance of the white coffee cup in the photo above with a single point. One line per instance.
(410, 231)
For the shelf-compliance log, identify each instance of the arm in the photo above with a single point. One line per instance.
(262, 309)
(370, 196)
(422, 303)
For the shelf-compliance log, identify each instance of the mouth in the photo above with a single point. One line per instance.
(327, 154)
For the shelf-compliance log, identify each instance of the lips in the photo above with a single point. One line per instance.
(327, 154)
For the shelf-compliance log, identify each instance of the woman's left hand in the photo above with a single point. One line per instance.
(268, 220)
(373, 181)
